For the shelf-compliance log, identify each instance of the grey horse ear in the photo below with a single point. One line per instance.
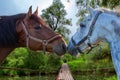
(91, 10)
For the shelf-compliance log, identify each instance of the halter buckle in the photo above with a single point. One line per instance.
(45, 42)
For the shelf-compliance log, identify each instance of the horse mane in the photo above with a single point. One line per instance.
(8, 34)
(115, 11)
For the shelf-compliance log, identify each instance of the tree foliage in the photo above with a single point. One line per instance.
(83, 4)
(55, 17)
(110, 3)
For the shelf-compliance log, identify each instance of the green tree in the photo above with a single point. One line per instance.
(55, 17)
(110, 3)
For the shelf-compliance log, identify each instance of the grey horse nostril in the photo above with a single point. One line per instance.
(82, 25)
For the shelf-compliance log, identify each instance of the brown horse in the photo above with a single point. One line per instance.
(28, 30)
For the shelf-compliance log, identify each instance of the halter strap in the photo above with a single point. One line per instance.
(88, 35)
(44, 42)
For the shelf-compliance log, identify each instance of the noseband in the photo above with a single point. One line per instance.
(44, 42)
(87, 36)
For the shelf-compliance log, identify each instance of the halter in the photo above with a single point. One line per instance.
(44, 42)
(87, 36)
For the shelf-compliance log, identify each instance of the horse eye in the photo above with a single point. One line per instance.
(89, 19)
(37, 27)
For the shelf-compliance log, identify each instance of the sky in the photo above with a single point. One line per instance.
(11, 7)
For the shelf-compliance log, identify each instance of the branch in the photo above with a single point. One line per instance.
(56, 24)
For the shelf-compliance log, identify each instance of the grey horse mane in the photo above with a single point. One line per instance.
(115, 11)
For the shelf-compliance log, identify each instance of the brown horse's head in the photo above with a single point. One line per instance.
(35, 34)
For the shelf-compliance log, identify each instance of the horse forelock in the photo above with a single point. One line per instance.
(8, 35)
(39, 20)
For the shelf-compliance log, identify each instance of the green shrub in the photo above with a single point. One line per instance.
(112, 78)
(53, 63)
(67, 57)
(15, 60)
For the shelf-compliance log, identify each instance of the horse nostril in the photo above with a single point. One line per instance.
(82, 25)
(64, 47)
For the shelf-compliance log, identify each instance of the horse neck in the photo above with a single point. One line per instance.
(115, 54)
(4, 52)
(110, 31)
(115, 46)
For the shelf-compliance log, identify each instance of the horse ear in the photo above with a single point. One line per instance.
(36, 12)
(91, 10)
(29, 12)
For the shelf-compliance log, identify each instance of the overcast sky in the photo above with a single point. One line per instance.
(11, 7)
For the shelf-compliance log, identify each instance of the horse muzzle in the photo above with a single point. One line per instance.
(60, 49)
(72, 50)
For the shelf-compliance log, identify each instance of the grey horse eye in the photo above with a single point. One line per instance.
(89, 19)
